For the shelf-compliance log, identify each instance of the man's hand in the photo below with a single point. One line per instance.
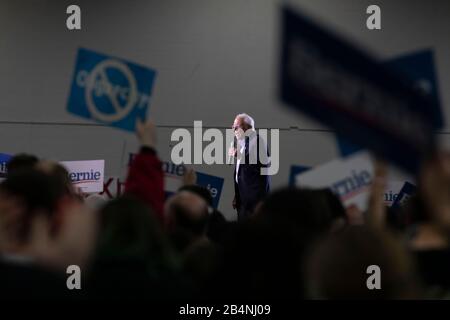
(146, 133)
(232, 152)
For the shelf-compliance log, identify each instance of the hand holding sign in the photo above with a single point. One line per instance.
(189, 177)
(146, 133)
(333, 81)
(377, 209)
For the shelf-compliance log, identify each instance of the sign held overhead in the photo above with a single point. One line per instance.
(340, 85)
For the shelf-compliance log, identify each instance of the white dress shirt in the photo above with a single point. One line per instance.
(241, 149)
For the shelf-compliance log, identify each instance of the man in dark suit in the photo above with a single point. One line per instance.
(251, 155)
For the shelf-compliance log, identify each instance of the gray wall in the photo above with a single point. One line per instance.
(214, 59)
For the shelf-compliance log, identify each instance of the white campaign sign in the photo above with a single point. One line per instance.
(391, 191)
(349, 178)
(87, 175)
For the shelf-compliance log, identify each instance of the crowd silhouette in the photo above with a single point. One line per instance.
(298, 244)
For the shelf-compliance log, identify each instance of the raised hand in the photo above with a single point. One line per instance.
(146, 133)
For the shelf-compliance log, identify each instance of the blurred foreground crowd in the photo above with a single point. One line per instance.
(299, 243)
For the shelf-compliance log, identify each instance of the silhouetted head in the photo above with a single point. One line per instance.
(200, 191)
(344, 266)
(128, 228)
(21, 161)
(188, 212)
(58, 172)
(25, 193)
(313, 211)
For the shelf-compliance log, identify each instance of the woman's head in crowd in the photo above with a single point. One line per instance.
(128, 229)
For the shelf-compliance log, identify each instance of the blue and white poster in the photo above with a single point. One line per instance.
(406, 192)
(87, 175)
(4, 159)
(213, 184)
(173, 180)
(419, 66)
(110, 90)
(333, 81)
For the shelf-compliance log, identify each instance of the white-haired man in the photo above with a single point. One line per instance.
(251, 154)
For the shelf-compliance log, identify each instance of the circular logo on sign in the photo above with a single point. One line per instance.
(100, 72)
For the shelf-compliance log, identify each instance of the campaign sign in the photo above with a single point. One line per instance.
(350, 178)
(406, 192)
(359, 97)
(213, 184)
(110, 90)
(173, 177)
(346, 148)
(113, 187)
(419, 66)
(173, 180)
(4, 159)
(173, 174)
(86, 175)
(392, 191)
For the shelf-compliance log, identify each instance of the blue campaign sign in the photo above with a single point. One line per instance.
(419, 66)
(359, 97)
(213, 184)
(346, 148)
(295, 170)
(406, 192)
(110, 90)
(4, 159)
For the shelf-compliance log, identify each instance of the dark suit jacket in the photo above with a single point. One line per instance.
(252, 186)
